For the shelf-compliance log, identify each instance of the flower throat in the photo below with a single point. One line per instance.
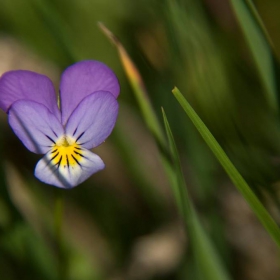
(66, 153)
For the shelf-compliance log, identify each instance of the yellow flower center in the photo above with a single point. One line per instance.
(66, 152)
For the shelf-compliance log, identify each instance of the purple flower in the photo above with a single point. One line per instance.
(87, 115)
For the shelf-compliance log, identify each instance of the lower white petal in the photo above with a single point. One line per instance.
(65, 170)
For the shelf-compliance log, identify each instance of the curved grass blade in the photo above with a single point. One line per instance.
(143, 100)
(207, 259)
(259, 43)
(255, 204)
(144, 103)
(137, 86)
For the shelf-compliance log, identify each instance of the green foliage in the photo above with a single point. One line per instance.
(259, 43)
(208, 263)
(257, 207)
(123, 223)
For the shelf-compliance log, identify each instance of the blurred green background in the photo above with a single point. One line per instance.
(122, 223)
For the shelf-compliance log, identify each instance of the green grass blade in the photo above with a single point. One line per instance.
(179, 188)
(143, 100)
(207, 260)
(256, 206)
(259, 44)
(138, 87)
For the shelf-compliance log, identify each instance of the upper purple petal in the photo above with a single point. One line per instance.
(34, 125)
(27, 85)
(82, 79)
(93, 120)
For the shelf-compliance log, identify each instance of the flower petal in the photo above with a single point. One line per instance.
(21, 84)
(34, 125)
(64, 175)
(82, 79)
(93, 120)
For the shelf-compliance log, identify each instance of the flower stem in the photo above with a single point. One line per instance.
(58, 233)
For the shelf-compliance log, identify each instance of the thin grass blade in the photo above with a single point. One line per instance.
(138, 87)
(143, 100)
(255, 204)
(259, 43)
(207, 260)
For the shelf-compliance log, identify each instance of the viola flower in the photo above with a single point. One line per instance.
(87, 115)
